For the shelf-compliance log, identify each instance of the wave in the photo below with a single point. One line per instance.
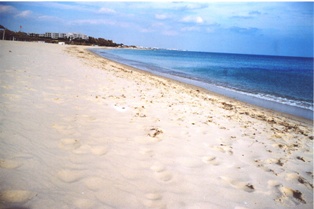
(291, 102)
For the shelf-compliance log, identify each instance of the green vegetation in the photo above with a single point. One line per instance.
(21, 36)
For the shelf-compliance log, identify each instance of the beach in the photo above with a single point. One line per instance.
(80, 131)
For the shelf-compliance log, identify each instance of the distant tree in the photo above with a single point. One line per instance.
(21, 36)
(92, 40)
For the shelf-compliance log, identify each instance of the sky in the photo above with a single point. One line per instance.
(265, 28)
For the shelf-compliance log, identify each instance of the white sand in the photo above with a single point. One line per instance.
(78, 131)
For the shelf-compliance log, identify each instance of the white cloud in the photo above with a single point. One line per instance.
(191, 6)
(5, 9)
(105, 10)
(162, 16)
(199, 20)
(23, 14)
(192, 19)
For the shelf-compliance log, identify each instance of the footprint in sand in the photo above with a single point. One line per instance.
(16, 196)
(164, 176)
(69, 144)
(153, 200)
(155, 132)
(297, 178)
(94, 183)
(99, 150)
(291, 176)
(279, 162)
(83, 149)
(285, 195)
(146, 152)
(160, 172)
(57, 100)
(9, 164)
(289, 196)
(238, 184)
(153, 196)
(210, 160)
(69, 176)
(157, 167)
(224, 148)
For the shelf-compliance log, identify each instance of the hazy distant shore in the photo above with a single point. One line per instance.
(80, 131)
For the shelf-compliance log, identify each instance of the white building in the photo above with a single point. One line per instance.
(62, 35)
(83, 36)
(48, 35)
(54, 35)
(65, 35)
(77, 35)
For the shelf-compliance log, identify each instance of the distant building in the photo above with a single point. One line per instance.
(54, 35)
(77, 35)
(71, 35)
(83, 36)
(48, 35)
(60, 35)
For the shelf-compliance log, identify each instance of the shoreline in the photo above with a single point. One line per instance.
(246, 101)
(80, 131)
(289, 110)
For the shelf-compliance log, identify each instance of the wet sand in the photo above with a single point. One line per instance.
(80, 131)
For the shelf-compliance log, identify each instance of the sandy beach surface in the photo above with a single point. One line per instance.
(79, 131)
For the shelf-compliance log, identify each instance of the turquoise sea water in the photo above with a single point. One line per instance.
(281, 83)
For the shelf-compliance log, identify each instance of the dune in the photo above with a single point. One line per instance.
(80, 131)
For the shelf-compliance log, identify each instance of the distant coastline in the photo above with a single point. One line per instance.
(50, 37)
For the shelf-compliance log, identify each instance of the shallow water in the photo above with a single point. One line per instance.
(283, 84)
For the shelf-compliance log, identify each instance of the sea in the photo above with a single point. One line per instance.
(279, 83)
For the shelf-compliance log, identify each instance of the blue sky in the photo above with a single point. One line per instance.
(271, 28)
